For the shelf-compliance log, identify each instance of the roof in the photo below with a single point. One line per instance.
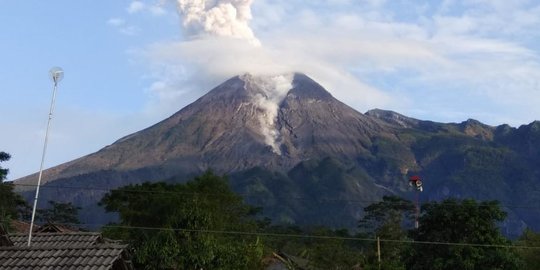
(88, 258)
(73, 239)
(19, 226)
(55, 228)
(75, 250)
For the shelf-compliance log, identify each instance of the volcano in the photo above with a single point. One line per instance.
(272, 122)
(305, 157)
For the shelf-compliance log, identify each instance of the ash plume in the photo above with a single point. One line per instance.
(227, 18)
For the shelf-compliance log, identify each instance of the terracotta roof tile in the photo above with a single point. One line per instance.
(98, 257)
(77, 250)
(78, 239)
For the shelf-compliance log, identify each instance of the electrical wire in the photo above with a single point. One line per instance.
(309, 236)
(319, 200)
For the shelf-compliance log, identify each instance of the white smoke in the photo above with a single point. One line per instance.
(228, 18)
(273, 90)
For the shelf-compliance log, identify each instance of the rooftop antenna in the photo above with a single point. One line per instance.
(56, 74)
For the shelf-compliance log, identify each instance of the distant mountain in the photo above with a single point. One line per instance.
(307, 158)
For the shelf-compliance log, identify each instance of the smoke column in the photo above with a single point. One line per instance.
(273, 90)
(227, 18)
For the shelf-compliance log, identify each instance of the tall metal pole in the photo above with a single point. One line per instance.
(56, 75)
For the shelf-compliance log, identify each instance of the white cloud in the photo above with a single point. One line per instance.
(123, 27)
(369, 55)
(135, 7)
(116, 22)
(157, 10)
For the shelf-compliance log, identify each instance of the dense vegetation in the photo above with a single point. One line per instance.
(467, 237)
(14, 207)
(186, 226)
(12, 204)
(203, 224)
(456, 160)
(57, 212)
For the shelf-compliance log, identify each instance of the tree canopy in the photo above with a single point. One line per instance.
(530, 256)
(11, 203)
(183, 226)
(62, 213)
(468, 222)
(3, 172)
(388, 219)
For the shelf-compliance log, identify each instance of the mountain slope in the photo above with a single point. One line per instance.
(245, 122)
(307, 158)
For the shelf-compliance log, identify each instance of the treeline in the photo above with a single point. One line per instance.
(13, 206)
(203, 224)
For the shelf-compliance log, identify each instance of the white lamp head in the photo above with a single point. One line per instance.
(57, 74)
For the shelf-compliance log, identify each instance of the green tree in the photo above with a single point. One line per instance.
(388, 220)
(61, 213)
(11, 203)
(469, 224)
(530, 256)
(334, 253)
(328, 250)
(3, 172)
(189, 221)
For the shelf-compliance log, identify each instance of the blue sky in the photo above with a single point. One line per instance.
(130, 64)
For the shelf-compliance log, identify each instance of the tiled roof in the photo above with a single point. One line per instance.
(76, 250)
(75, 239)
(18, 226)
(55, 228)
(40, 258)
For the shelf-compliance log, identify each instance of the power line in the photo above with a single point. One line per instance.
(185, 193)
(310, 236)
(125, 190)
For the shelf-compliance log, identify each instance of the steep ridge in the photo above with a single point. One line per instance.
(268, 121)
(307, 158)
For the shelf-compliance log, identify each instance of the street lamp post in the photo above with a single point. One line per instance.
(56, 74)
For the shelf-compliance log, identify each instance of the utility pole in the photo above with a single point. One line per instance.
(416, 182)
(379, 251)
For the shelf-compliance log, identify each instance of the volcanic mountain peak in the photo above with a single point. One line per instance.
(273, 121)
(272, 87)
(262, 97)
(284, 136)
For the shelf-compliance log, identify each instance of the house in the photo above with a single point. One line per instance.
(17, 226)
(54, 228)
(63, 250)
